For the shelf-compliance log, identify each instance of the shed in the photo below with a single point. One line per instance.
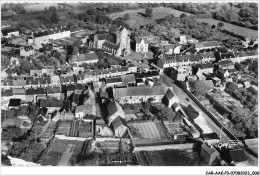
(210, 154)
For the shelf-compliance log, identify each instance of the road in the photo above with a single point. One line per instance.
(204, 121)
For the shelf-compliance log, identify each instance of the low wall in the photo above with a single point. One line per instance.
(165, 147)
(219, 124)
(63, 137)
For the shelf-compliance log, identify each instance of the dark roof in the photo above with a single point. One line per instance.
(225, 62)
(30, 91)
(139, 39)
(117, 122)
(70, 87)
(108, 45)
(116, 47)
(14, 102)
(5, 31)
(208, 149)
(56, 89)
(6, 93)
(51, 103)
(10, 71)
(79, 87)
(192, 113)
(75, 98)
(43, 111)
(232, 70)
(40, 91)
(110, 38)
(113, 80)
(169, 94)
(213, 135)
(30, 80)
(120, 29)
(227, 55)
(8, 82)
(221, 70)
(238, 155)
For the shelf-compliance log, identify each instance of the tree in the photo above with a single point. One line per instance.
(183, 15)
(248, 24)
(54, 17)
(11, 133)
(23, 11)
(220, 25)
(127, 16)
(224, 7)
(52, 8)
(231, 15)
(199, 88)
(149, 12)
(27, 66)
(75, 50)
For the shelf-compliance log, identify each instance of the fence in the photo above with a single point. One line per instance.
(219, 124)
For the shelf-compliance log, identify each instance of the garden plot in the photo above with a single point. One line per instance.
(147, 133)
(56, 150)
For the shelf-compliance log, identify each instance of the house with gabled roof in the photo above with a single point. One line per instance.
(226, 64)
(14, 103)
(19, 83)
(238, 157)
(244, 55)
(87, 58)
(170, 98)
(210, 154)
(19, 93)
(119, 126)
(42, 115)
(206, 45)
(141, 44)
(114, 110)
(139, 94)
(9, 32)
(114, 81)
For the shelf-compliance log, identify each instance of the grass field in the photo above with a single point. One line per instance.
(236, 29)
(151, 130)
(39, 6)
(137, 19)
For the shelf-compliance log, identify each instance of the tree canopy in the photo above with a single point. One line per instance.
(198, 87)
(149, 12)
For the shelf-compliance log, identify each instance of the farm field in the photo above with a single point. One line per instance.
(137, 19)
(39, 6)
(187, 157)
(236, 29)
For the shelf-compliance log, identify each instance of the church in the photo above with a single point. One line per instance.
(117, 43)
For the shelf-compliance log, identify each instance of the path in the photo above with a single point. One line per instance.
(44, 129)
(64, 160)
